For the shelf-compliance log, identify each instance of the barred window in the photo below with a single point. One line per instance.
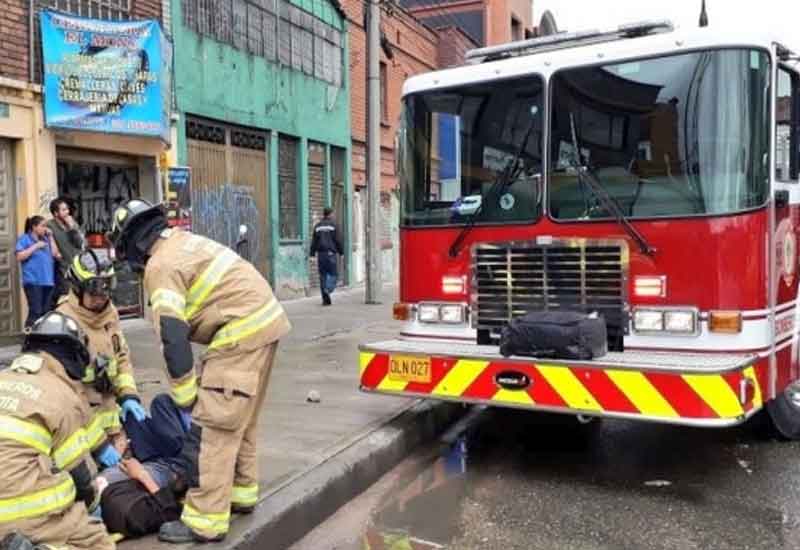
(112, 10)
(273, 29)
(287, 188)
(255, 31)
(239, 24)
(115, 10)
(270, 36)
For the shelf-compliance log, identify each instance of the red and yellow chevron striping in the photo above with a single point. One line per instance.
(655, 395)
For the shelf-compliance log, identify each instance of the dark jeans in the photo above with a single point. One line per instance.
(326, 263)
(61, 288)
(38, 302)
(162, 435)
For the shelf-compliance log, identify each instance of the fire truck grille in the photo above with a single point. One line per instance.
(512, 279)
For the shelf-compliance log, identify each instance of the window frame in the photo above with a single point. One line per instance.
(278, 31)
(614, 61)
(794, 125)
(297, 206)
(544, 131)
(384, 83)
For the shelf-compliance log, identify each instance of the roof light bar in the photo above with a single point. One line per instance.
(564, 40)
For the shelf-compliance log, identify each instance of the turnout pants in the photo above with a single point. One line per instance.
(71, 529)
(221, 449)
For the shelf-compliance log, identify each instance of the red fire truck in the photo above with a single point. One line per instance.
(649, 174)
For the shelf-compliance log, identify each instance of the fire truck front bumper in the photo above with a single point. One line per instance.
(714, 390)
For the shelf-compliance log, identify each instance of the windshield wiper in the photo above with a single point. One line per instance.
(504, 180)
(599, 191)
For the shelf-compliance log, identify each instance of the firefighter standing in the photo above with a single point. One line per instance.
(47, 469)
(109, 380)
(203, 292)
(325, 245)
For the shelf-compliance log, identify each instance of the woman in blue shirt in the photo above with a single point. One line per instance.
(36, 251)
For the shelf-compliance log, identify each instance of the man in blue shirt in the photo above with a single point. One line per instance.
(37, 251)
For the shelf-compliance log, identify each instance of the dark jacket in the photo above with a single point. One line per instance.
(128, 509)
(325, 238)
(69, 241)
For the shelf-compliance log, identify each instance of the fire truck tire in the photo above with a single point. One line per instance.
(784, 412)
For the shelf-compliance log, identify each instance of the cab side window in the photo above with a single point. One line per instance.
(787, 138)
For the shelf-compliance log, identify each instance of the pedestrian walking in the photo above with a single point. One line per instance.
(36, 252)
(91, 281)
(69, 240)
(201, 291)
(46, 467)
(326, 246)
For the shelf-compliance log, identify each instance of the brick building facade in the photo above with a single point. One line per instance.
(416, 48)
(16, 34)
(38, 163)
(487, 22)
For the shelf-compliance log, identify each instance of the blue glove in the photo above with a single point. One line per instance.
(108, 456)
(132, 406)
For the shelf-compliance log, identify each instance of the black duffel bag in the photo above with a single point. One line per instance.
(555, 335)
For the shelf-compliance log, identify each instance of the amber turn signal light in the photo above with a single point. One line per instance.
(729, 322)
(401, 312)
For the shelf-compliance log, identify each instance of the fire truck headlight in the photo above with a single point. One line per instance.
(452, 314)
(680, 321)
(428, 313)
(648, 320)
(665, 321)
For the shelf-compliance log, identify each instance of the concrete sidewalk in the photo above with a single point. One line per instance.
(313, 456)
(321, 353)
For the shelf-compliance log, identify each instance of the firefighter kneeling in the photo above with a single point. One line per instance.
(89, 302)
(46, 466)
(203, 292)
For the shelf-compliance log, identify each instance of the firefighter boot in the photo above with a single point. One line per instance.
(177, 532)
(242, 509)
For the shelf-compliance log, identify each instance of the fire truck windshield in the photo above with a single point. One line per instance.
(677, 135)
(459, 150)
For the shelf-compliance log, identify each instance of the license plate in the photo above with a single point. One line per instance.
(403, 368)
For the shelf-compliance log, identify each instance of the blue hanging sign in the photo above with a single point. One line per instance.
(106, 76)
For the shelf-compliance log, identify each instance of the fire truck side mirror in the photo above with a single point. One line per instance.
(781, 198)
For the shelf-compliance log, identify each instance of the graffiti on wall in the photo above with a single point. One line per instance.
(44, 202)
(218, 212)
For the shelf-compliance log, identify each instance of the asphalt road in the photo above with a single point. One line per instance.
(526, 481)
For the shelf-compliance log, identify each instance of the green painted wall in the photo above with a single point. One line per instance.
(217, 81)
(220, 82)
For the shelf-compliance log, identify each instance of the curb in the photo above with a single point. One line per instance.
(287, 514)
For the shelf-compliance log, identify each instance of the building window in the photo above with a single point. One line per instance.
(288, 189)
(96, 9)
(787, 128)
(516, 29)
(276, 30)
(384, 94)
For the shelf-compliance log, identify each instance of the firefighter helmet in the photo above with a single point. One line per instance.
(127, 219)
(56, 332)
(88, 273)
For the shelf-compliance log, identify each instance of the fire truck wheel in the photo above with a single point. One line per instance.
(784, 411)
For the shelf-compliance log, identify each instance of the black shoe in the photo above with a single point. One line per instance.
(326, 300)
(15, 541)
(242, 509)
(178, 532)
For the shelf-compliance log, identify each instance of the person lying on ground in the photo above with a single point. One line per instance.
(142, 492)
